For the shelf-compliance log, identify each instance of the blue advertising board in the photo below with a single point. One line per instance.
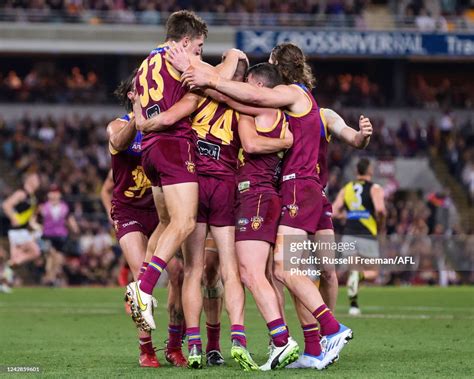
(357, 43)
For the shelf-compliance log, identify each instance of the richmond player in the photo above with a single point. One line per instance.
(362, 203)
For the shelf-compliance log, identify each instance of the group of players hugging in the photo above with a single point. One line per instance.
(208, 168)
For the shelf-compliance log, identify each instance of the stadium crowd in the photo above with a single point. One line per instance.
(31, 143)
(420, 14)
(51, 85)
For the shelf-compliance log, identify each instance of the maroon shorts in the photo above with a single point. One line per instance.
(302, 204)
(128, 219)
(170, 160)
(325, 220)
(257, 217)
(216, 201)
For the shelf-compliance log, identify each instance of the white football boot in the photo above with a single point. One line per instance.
(141, 305)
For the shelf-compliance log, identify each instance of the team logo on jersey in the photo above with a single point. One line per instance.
(191, 167)
(292, 210)
(256, 222)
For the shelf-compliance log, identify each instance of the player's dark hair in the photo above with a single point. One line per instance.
(363, 166)
(268, 73)
(185, 24)
(291, 62)
(124, 88)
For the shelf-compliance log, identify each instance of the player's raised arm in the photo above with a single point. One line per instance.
(253, 143)
(282, 96)
(183, 108)
(378, 198)
(121, 133)
(338, 127)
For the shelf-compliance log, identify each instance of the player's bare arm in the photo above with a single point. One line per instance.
(183, 108)
(106, 193)
(338, 127)
(9, 204)
(338, 205)
(121, 133)
(282, 96)
(378, 198)
(253, 143)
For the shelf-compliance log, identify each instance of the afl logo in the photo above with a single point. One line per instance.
(191, 167)
(293, 210)
(257, 222)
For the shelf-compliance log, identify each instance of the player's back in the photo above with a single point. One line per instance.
(302, 159)
(215, 127)
(159, 88)
(131, 186)
(360, 209)
(260, 172)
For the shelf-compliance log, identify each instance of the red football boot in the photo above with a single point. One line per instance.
(148, 360)
(176, 358)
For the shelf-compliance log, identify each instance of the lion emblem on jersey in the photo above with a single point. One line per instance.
(141, 183)
(292, 210)
(256, 222)
(191, 167)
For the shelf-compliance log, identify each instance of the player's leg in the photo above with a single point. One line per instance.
(191, 293)
(253, 257)
(328, 284)
(24, 252)
(133, 243)
(212, 302)
(181, 204)
(308, 294)
(173, 350)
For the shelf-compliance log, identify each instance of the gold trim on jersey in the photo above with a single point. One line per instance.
(275, 124)
(172, 71)
(327, 133)
(298, 115)
(112, 150)
(353, 202)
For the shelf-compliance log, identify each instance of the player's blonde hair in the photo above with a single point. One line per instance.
(291, 62)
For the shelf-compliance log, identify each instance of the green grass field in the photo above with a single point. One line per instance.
(84, 332)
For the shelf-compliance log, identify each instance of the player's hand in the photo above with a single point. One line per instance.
(178, 57)
(288, 138)
(365, 126)
(239, 53)
(199, 77)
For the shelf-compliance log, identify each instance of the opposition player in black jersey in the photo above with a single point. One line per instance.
(361, 202)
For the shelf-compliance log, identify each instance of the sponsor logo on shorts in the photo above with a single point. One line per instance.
(244, 186)
(256, 222)
(242, 221)
(191, 167)
(288, 177)
(130, 223)
(292, 210)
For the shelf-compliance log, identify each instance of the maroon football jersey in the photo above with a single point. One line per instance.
(215, 127)
(131, 186)
(323, 169)
(159, 88)
(302, 159)
(260, 172)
